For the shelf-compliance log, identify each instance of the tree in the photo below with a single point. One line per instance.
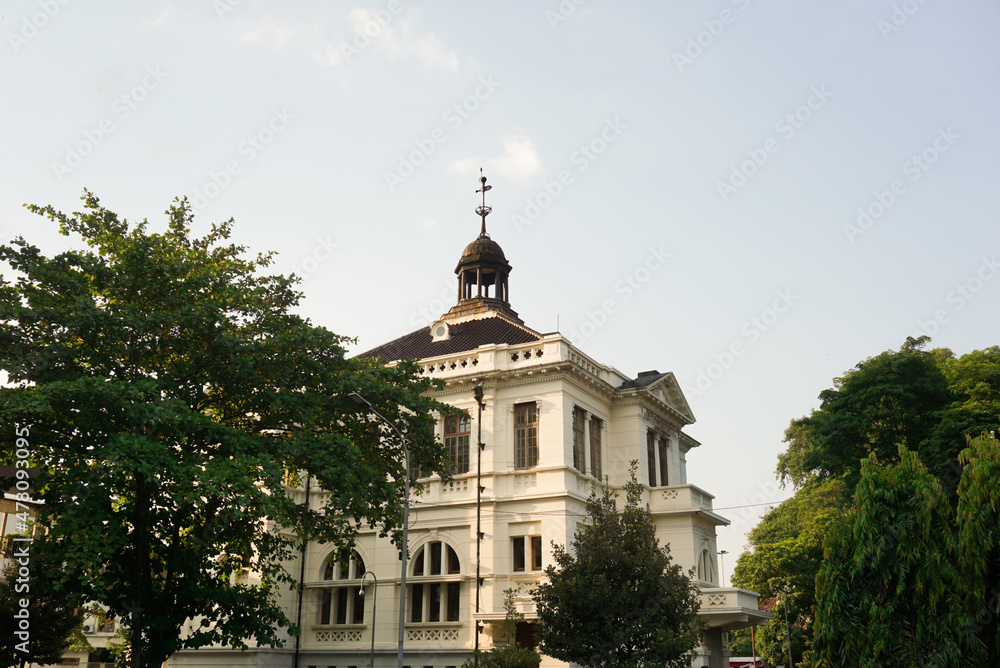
(928, 400)
(888, 590)
(784, 553)
(53, 620)
(167, 391)
(508, 654)
(977, 541)
(617, 600)
(892, 399)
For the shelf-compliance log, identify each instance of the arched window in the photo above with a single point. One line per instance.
(706, 567)
(343, 603)
(435, 584)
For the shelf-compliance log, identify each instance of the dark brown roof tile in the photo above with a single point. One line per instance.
(465, 336)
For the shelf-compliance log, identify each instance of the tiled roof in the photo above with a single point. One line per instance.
(645, 378)
(467, 335)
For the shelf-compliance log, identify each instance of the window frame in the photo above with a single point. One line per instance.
(663, 452)
(536, 553)
(435, 594)
(651, 457)
(518, 561)
(596, 426)
(457, 439)
(526, 435)
(526, 553)
(343, 603)
(579, 429)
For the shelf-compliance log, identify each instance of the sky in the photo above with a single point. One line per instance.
(753, 194)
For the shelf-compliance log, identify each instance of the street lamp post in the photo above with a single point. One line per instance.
(722, 563)
(374, 601)
(477, 392)
(788, 635)
(364, 403)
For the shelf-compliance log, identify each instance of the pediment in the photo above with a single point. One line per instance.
(668, 390)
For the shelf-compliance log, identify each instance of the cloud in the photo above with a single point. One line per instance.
(164, 15)
(519, 160)
(275, 33)
(428, 222)
(395, 37)
(434, 53)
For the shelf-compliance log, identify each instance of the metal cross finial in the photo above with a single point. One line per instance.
(483, 210)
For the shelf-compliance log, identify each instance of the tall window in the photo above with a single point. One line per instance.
(526, 553)
(525, 435)
(517, 543)
(344, 603)
(456, 442)
(434, 600)
(579, 448)
(415, 471)
(706, 567)
(664, 460)
(651, 457)
(596, 424)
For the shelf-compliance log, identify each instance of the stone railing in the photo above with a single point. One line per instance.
(679, 498)
(339, 635)
(490, 358)
(435, 633)
(719, 599)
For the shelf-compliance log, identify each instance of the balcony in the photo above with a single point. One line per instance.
(683, 499)
(731, 608)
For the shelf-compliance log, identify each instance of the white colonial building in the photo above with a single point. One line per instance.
(555, 424)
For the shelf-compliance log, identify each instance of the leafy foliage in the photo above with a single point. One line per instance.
(907, 579)
(618, 601)
(785, 552)
(169, 388)
(892, 399)
(926, 400)
(977, 540)
(53, 622)
(888, 591)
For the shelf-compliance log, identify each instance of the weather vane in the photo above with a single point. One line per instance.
(483, 210)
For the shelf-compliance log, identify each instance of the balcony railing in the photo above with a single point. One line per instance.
(679, 498)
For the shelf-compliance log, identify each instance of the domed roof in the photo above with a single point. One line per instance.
(483, 245)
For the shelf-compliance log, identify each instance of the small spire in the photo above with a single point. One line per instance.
(483, 210)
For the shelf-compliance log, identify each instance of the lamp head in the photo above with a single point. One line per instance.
(360, 400)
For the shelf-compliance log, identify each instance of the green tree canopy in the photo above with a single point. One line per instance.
(895, 398)
(169, 390)
(617, 600)
(783, 554)
(976, 541)
(907, 579)
(888, 590)
(926, 400)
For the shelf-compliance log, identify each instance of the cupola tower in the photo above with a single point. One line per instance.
(482, 272)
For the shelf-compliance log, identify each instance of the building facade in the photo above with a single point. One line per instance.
(555, 424)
